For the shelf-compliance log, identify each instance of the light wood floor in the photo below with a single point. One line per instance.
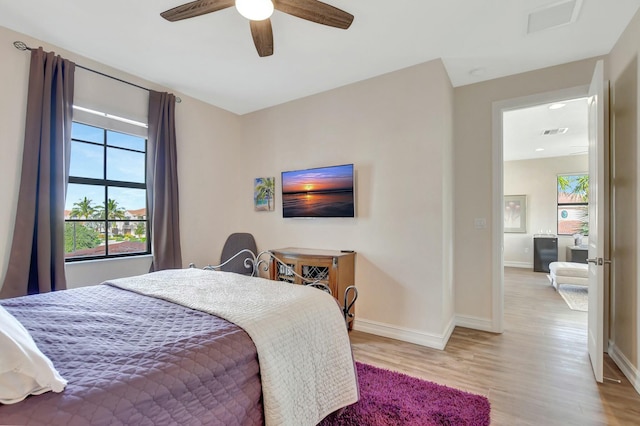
(536, 373)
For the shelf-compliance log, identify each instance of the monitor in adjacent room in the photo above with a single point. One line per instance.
(319, 192)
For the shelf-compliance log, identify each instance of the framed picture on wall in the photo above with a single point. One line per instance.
(515, 213)
(264, 194)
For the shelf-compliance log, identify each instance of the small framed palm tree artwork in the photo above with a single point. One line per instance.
(264, 194)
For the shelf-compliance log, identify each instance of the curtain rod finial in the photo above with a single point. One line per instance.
(20, 45)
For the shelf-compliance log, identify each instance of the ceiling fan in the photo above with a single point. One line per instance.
(258, 13)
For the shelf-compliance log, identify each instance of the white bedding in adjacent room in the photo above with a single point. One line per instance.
(570, 269)
(568, 273)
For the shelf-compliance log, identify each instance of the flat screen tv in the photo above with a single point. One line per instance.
(319, 192)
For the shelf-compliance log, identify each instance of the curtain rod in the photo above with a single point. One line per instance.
(22, 46)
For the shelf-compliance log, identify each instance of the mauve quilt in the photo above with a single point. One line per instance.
(133, 359)
(306, 364)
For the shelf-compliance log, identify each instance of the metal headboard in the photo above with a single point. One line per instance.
(262, 262)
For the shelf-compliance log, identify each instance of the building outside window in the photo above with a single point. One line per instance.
(573, 204)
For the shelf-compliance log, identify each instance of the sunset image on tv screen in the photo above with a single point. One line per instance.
(321, 192)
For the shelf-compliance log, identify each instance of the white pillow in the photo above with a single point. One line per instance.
(24, 370)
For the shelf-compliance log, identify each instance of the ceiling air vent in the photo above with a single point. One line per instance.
(558, 131)
(554, 15)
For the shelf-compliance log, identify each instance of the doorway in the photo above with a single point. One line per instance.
(546, 188)
(523, 240)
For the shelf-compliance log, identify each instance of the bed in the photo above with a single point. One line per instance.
(155, 349)
(568, 273)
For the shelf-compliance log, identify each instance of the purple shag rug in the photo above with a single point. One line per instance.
(391, 399)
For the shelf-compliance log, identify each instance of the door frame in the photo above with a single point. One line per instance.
(497, 220)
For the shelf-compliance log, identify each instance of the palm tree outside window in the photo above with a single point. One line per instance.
(573, 204)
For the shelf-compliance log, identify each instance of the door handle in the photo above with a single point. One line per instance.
(599, 261)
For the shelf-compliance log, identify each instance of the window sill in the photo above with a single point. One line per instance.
(110, 259)
(95, 271)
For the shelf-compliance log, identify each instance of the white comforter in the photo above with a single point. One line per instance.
(306, 364)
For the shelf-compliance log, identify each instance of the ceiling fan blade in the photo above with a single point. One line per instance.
(315, 11)
(262, 37)
(196, 8)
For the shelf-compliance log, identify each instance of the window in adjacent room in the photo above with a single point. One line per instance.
(573, 204)
(106, 203)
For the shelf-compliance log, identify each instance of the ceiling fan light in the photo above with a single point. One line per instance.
(255, 10)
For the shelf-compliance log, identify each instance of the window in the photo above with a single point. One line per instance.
(573, 204)
(106, 203)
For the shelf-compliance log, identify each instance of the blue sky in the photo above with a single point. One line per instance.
(573, 183)
(87, 161)
(319, 179)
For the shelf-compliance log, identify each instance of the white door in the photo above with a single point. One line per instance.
(596, 221)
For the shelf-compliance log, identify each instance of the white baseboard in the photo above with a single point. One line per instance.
(475, 323)
(524, 265)
(418, 337)
(449, 330)
(627, 368)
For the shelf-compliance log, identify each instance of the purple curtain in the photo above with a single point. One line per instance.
(36, 262)
(162, 183)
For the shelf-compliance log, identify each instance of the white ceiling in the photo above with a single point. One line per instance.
(523, 131)
(212, 57)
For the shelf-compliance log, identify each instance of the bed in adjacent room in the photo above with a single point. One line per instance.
(154, 349)
(568, 273)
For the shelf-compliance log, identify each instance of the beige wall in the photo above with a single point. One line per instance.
(14, 65)
(207, 136)
(397, 130)
(623, 72)
(537, 180)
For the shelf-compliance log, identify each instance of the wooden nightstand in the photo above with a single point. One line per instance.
(335, 269)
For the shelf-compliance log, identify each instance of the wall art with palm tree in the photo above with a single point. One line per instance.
(264, 194)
